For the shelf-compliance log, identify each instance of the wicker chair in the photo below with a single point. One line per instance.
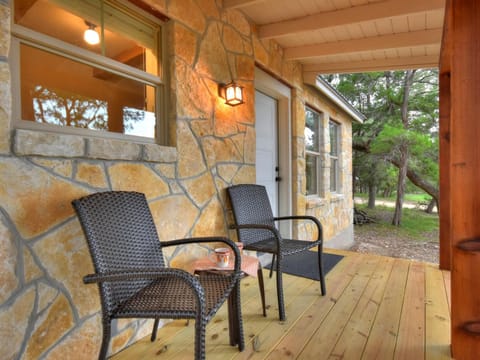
(255, 225)
(133, 279)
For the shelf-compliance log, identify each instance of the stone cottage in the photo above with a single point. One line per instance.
(140, 110)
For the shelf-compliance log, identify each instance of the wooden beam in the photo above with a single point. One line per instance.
(237, 4)
(355, 14)
(417, 62)
(385, 42)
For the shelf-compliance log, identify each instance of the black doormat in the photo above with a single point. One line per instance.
(305, 264)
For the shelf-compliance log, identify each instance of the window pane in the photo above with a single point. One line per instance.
(311, 130)
(333, 174)
(126, 38)
(59, 91)
(333, 138)
(311, 174)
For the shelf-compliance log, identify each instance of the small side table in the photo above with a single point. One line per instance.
(250, 266)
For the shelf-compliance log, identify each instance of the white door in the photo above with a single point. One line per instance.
(266, 119)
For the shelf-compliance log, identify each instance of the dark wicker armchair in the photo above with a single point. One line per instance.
(255, 225)
(132, 277)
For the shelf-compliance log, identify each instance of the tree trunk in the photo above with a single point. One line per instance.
(372, 192)
(430, 206)
(402, 176)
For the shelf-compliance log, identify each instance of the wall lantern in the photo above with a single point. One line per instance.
(232, 93)
(91, 35)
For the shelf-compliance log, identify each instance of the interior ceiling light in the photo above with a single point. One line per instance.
(91, 35)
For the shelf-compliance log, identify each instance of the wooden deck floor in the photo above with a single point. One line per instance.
(376, 308)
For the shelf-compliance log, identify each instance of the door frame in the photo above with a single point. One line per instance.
(270, 86)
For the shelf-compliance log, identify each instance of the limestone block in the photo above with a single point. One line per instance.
(250, 146)
(8, 262)
(167, 170)
(174, 216)
(227, 171)
(225, 118)
(194, 99)
(81, 344)
(211, 221)
(185, 43)
(91, 174)
(50, 327)
(209, 8)
(64, 255)
(110, 149)
(14, 321)
(121, 340)
(30, 268)
(201, 127)
(27, 142)
(245, 175)
(189, 13)
(158, 153)
(212, 60)
(190, 158)
(35, 199)
(137, 177)
(232, 40)
(46, 295)
(236, 19)
(224, 150)
(60, 167)
(4, 29)
(5, 101)
(245, 67)
(201, 189)
(260, 51)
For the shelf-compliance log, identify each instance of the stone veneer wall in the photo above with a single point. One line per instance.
(45, 310)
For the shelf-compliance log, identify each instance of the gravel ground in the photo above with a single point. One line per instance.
(370, 239)
(367, 240)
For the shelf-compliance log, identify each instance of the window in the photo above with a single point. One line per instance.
(334, 129)
(312, 150)
(113, 87)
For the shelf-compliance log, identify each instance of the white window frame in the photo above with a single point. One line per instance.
(23, 35)
(334, 155)
(317, 155)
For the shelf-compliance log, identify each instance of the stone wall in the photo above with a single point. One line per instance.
(45, 310)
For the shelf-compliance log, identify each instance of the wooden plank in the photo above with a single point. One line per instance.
(364, 13)
(293, 342)
(437, 315)
(325, 337)
(356, 332)
(411, 333)
(383, 337)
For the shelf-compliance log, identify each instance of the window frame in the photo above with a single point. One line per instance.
(335, 186)
(317, 155)
(22, 35)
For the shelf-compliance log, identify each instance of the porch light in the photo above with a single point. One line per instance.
(91, 35)
(232, 93)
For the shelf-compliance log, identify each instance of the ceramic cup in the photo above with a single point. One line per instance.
(222, 257)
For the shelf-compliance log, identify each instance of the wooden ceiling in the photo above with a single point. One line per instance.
(343, 36)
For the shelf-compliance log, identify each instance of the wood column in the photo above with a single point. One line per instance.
(461, 48)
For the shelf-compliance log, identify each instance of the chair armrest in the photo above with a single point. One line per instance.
(304, 217)
(210, 239)
(152, 274)
(273, 229)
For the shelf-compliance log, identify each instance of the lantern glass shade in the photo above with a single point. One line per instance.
(233, 94)
(91, 36)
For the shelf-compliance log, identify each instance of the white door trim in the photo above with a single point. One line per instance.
(282, 93)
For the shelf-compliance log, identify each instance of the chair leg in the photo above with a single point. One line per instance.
(271, 266)
(281, 305)
(320, 269)
(105, 340)
(200, 330)
(154, 330)
(261, 285)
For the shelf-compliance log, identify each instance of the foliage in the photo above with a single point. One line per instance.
(401, 129)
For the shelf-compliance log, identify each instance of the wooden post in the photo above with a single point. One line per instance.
(461, 43)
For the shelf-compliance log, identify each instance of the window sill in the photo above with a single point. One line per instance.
(336, 197)
(40, 143)
(315, 202)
